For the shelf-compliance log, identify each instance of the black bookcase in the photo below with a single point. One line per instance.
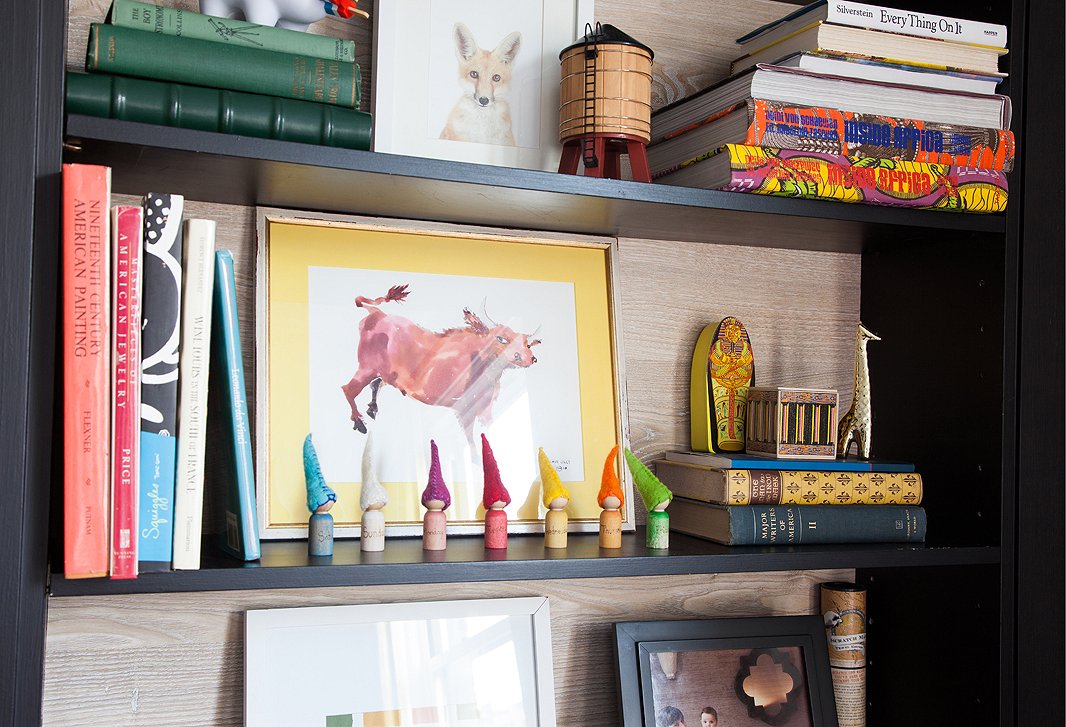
(968, 627)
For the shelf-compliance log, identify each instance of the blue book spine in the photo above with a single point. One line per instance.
(160, 336)
(806, 524)
(241, 537)
(750, 462)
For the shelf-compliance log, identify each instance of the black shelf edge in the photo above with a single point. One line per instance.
(231, 169)
(285, 564)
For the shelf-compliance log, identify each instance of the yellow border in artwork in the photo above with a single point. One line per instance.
(296, 244)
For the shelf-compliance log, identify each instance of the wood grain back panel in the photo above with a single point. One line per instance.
(178, 659)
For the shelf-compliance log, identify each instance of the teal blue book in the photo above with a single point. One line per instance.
(797, 524)
(228, 402)
(766, 462)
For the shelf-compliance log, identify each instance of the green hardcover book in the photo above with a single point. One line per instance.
(187, 24)
(212, 109)
(186, 60)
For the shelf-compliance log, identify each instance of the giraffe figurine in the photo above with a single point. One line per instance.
(855, 424)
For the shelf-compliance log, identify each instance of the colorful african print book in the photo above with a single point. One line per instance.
(759, 122)
(816, 175)
(789, 487)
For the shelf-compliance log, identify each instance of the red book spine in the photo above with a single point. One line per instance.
(126, 421)
(86, 369)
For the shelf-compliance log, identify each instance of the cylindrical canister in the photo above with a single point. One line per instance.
(605, 86)
(844, 613)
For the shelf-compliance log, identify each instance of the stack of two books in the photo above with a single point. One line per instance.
(760, 500)
(173, 67)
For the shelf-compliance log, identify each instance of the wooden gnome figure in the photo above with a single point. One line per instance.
(436, 499)
(372, 498)
(495, 499)
(556, 498)
(657, 497)
(320, 499)
(610, 499)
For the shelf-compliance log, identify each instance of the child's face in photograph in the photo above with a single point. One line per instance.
(708, 720)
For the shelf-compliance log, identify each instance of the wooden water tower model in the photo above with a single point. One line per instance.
(605, 104)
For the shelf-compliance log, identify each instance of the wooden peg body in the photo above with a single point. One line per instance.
(495, 529)
(555, 522)
(658, 530)
(610, 529)
(372, 538)
(320, 534)
(434, 530)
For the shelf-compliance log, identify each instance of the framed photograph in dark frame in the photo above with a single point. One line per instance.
(743, 672)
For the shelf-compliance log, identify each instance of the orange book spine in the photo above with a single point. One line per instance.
(127, 222)
(86, 369)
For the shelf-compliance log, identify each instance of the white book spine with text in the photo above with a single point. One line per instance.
(197, 288)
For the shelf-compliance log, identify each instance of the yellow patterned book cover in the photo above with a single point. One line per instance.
(789, 487)
(818, 175)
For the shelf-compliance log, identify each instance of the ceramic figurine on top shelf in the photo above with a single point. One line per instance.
(320, 499)
(291, 14)
(495, 499)
(436, 499)
(556, 498)
(610, 499)
(657, 497)
(856, 422)
(372, 498)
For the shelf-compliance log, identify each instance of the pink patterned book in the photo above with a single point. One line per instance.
(126, 225)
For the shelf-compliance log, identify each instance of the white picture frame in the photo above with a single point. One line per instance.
(475, 663)
(416, 82)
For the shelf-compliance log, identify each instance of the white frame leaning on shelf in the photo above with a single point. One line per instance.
(443, 286)
(423, 108)
(400, 663)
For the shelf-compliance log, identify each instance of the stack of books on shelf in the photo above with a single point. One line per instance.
(149, 314)
(748, 499)
(850, 102)
(173, 67)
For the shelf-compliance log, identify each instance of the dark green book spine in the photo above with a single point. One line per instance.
(186, 60)
(806, 524)
(212, 109)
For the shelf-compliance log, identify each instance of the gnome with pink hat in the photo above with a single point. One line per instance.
(495, 499)
(436, 499)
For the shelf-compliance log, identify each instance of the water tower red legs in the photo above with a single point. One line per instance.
(608, 149)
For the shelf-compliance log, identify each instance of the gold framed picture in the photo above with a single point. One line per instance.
(416, 332)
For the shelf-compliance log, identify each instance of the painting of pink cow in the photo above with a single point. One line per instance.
(459, 368)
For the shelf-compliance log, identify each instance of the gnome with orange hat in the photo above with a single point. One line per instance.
(611, 500)
(495, 499)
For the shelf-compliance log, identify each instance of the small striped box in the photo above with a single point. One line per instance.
(792, 423)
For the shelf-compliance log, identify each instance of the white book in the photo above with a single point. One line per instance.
(878, 17)
(197, 289)
(889, 73)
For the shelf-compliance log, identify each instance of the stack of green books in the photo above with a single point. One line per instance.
(173, 67)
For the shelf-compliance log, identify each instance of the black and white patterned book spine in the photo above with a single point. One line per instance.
(160, 346)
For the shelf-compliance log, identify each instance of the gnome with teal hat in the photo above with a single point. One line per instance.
(657, 497)
(320, 499)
